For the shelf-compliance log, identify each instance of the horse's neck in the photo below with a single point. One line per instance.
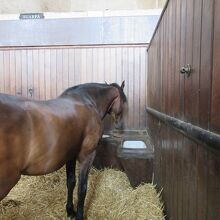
(104, 102)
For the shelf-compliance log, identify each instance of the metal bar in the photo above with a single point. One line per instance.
(196, 133)
(72, 46)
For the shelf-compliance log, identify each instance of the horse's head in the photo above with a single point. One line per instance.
(119, 106)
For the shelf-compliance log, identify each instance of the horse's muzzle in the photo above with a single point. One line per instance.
(119, 125)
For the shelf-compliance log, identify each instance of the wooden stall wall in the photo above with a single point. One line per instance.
(187, 170)
(45, 72)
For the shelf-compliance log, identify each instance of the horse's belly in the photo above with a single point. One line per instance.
(47, 159)
(46, 168)
(46, 164)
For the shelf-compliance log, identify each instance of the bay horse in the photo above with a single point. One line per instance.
(39, 137)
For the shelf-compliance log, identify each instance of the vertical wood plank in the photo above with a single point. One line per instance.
(72, 67)
(197, 203)
(131, 78)
(113, 65)
(173, 136)
(65, 69)
(213, 211)
(36, 83)
(100, 63)
(125, 77)
(215, 116)
(107, 77)
(77, 67)
(118, 64)
(136, 87)
(53, 73)
(24, 73)
(184, 210)
(18, 73)
(143, 85)
(190, 147)
(177, 111)
(7, 71)
(188, 59)
(47, 71)
(89, 70)
(30, 84)
(59, 74)
(84, 65)
(202, 170)
(206, 63)
(41, 75)
(196, 48)
(12, 72)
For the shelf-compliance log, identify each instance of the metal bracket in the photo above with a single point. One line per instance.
(186, 70)
(31, 91)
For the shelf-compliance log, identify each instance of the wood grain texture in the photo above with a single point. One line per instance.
(48, 71)
(215, 104)
(187, 171)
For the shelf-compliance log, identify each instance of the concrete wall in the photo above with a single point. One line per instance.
(19, 6)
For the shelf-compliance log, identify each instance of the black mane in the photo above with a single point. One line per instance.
(78, 88)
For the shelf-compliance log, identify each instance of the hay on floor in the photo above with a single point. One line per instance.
(109, 196)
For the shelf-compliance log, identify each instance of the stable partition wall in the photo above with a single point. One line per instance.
(187, 144)
(45, 72)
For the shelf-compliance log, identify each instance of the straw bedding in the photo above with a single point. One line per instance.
(109, 197)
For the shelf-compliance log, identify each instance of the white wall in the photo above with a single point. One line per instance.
(19, 6)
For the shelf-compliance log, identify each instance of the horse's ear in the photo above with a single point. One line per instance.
(123, 85)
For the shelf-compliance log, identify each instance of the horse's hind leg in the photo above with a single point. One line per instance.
(71, 182)
(85, 166)
(7, 182)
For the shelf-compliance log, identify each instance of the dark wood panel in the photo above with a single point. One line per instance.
(215, 116)
(182, 57)
(209, 139)
(213, 189)
(189, 199)
(187, 170)
(177, 26)
(206, 63)
(197, 172)
(202, 179)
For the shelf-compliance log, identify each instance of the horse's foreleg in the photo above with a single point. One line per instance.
(82, 187)
(71, 182)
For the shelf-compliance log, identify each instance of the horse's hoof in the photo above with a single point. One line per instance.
(71, 216)
(70, 211)
(79, 217)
